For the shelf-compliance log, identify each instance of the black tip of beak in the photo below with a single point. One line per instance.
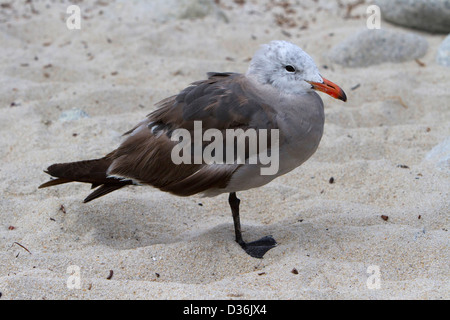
(343, 96)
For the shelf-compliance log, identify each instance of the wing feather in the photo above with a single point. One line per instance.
(223, 101)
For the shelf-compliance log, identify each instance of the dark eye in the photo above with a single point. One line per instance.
(290, 68)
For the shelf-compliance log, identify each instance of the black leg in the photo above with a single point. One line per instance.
(257, 248)
(234, 205)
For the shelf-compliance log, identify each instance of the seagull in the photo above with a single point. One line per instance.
(277, 93)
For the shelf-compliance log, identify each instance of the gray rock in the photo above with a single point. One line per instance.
(169, 10)
(72, 114)
(427, 15)
(370, 47)
(443, 53)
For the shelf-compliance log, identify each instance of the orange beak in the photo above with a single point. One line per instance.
(329, 88)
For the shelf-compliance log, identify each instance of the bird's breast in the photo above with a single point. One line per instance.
(301, 129)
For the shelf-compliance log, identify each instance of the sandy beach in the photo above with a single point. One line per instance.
(367, 217)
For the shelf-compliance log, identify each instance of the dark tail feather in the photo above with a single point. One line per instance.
(54, 182)
(88, 171)
(104, 189)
